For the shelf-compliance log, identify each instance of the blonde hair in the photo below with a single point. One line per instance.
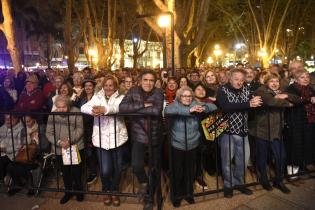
(299, 73)
(270, 76)
(113, 78)
(205, 75)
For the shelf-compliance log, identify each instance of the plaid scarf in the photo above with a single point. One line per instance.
(306, 93)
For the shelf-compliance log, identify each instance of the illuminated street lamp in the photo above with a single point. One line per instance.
(93, 56)
(210, 60)
(238, 46)
(164, 22)
(217, 52)
(261, 54)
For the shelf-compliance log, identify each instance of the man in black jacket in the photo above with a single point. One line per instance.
(234, 98)
(145, 132)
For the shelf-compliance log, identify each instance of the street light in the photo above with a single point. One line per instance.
(261, 54)
(217, 52)
(164, 22)
(168, 13)
(93, 55)
(210, 60)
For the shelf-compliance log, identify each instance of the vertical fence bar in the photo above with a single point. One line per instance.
(216, 154)
(55, 145)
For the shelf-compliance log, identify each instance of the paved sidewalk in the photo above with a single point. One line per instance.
(302, 196)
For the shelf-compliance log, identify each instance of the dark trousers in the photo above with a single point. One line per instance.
(111, 164)
(184, 170)
(309, 143)
(21, 173)
(72, 174)
(91, 160)
(277, 149)
(138, 158)
(4, 162)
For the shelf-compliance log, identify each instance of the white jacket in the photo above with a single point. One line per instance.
(104, 137)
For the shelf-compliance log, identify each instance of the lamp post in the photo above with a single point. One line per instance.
(217, 52)
(93, 56)
(167, 13)
(261, 54)
(164, 22)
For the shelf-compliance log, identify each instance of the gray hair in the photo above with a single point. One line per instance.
(181, 90)
(64, 99)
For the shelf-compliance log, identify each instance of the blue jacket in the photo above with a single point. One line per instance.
(177, 129)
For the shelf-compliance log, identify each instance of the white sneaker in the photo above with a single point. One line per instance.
(289, 169)
(7, 180)
(296, 169)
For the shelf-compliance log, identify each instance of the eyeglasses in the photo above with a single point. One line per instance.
(186, 96)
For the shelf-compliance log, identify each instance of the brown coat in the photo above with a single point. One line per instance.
(269, 118)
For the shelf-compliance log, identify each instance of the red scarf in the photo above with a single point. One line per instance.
(170, 95)
(306, 93)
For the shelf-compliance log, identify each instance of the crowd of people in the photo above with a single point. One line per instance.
(270, 111)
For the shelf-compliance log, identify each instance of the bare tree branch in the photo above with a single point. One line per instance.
(160, 5)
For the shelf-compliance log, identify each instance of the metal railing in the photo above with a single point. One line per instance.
(58, 187)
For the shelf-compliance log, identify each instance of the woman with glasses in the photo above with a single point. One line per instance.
(184, 144)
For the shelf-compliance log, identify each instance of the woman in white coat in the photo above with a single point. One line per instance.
(109, 141)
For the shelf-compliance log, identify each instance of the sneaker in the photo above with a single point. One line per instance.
(291, 170)
(65, 198)
(7, 180)
(243, 190)
(91, 179)
(228, 192)
(202, 184)
(282, 187)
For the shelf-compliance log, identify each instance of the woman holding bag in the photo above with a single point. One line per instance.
(63, 132)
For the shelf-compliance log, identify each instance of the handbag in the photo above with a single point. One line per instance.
(26, 154)
(214, 125)
(71, 155)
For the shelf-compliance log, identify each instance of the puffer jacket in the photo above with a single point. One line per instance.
(134, 103)
(177, 129)
(104, 132)
(61, 130)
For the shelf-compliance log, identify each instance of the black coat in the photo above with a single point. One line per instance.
(296, 132)
(133, 103)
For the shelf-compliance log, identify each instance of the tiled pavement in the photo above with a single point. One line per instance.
(302, 196)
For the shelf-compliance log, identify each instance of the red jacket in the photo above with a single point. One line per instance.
(34, 101)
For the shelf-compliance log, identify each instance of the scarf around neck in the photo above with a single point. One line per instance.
(306, 93)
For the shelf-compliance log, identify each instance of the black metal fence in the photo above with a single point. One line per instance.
(46, 161)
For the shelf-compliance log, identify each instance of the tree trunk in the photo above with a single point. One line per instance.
(122, 52)
(68, 37)
(8, 29)
(48, 56)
